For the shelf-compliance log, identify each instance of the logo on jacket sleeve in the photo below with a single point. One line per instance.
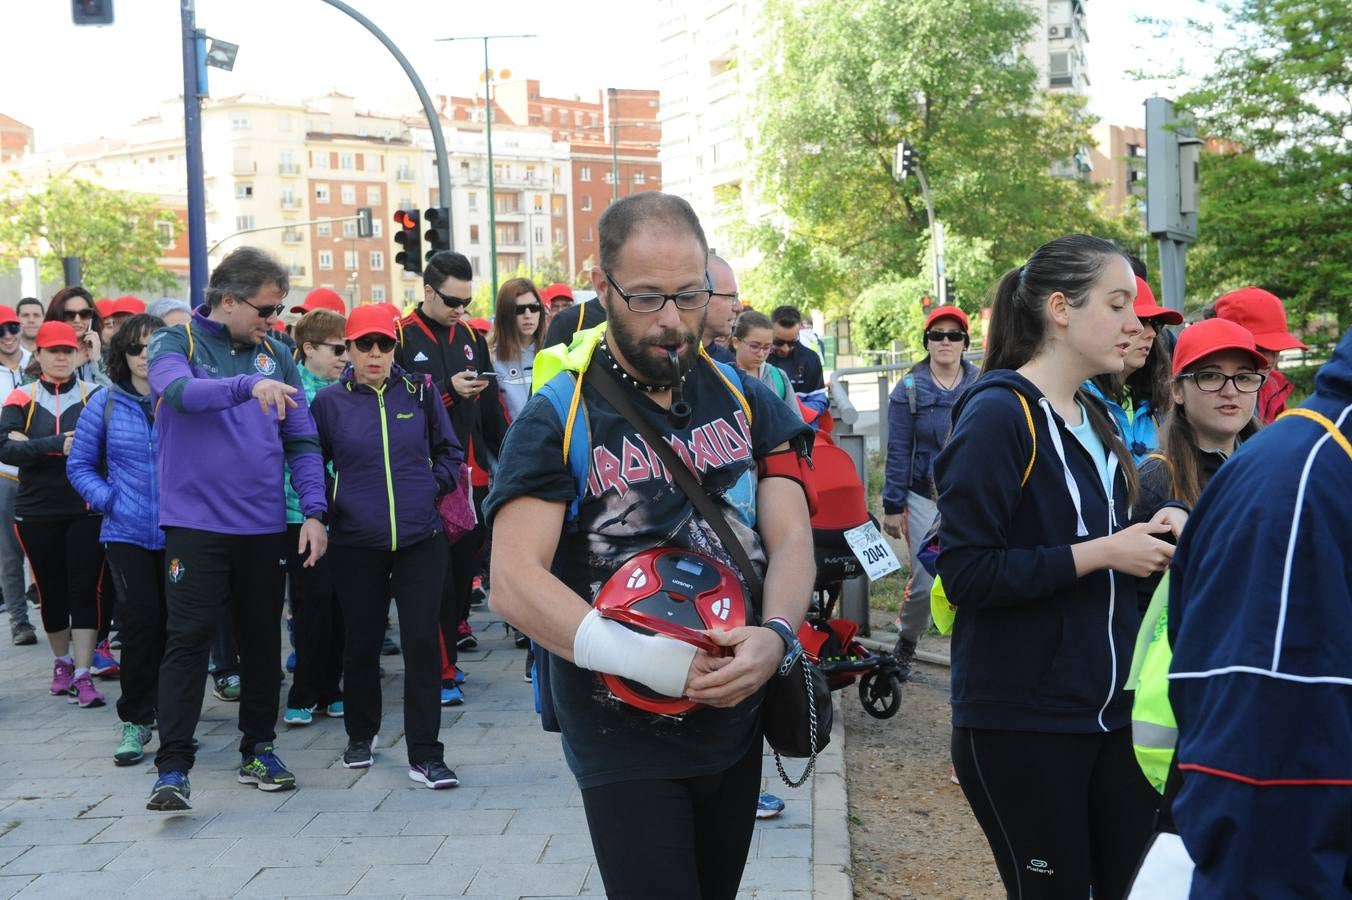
(265, 364)
(469, 352)
(177, 570)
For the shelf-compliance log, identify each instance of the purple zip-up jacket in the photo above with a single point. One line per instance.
(221, 457)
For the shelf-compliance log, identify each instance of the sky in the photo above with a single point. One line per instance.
(72, 84)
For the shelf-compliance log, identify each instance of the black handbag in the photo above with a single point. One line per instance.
(796, 713)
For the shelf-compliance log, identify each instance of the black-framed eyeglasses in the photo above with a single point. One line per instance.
(734, 296)
(11, 328)
(529, 307)
(70, 315)
(452, 302)
(265, 312)
(652, 301)
(956, 337)
(136, 348)
(338, 349)
(1214, 382)
(367, 341)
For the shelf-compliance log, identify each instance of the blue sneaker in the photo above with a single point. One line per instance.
(264, 769)
(302, 716)
(335, 710)
(452, 696)
(768, 806)
(170, 793)
(460, 675)
(291, 662)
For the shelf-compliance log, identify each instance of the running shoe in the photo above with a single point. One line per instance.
(115, 640)
(466, 640)
(335, 710)
(477, 595)
(359, 754)
(134, 738)
(530, 665)
(768, 806)
(105, 664)
(63, 677)
(227, 688)
(302, 716)
(390, 647)
(264, 769)
(452, 695)
(84, 693)
(170, 793)
(434, 774)
(458, 675)
(23, 635)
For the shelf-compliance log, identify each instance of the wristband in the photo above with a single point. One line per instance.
(789, 636)
(658, 663)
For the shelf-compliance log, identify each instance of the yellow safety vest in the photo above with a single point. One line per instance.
(1154, 731)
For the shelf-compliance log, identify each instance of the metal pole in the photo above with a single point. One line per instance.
(614, 147)
(433, 120)
(935, 238)
(192, 146)
(492, 198)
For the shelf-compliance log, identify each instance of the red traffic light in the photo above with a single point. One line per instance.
(405, 219)
(926, 302)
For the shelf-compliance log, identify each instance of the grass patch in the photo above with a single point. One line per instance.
(884, 595)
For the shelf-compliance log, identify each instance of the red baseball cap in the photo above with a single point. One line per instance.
(372, 319)
(125, 305)
(1145, 306)
(8, 315)
(1263, 314)
(393, 310)
(57, 334)
(1210, 336)
(555, 290)
(951, 312)
(321, 298)
(104, 306)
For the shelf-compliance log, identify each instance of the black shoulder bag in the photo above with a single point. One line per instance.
(796, 713)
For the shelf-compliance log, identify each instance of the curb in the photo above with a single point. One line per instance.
(830, 812)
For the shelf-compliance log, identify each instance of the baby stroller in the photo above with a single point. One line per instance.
(831, 642)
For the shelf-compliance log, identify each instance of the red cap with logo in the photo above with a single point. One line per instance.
(951, 312)
(1210, 336)
(374, 319)
(1145, 306)
(8, 315)
(1263, 314)
(321, 298)
(57, 334)
(554, 291)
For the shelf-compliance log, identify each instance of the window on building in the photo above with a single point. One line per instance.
(473, 199)
(474, 234)
(324, 229)
(377, 227)
(377, 293)
(286, 162)
(244, 223)
(347, 161)
(239, 121)
(408, 292)
(165, 232)
(377, 261)
(640, 177)
(557, 204)
(557, 176)
(243, 191)
(609, 177)
(464, 170)
(563, 118)
(586, 204)
(587, 235)
(558, 235)
(319, 159)
(539, 234)
(321, 193)
(1058, 69)
(370, 162)
(549, 114)
(373, 196)
(474, 265)
(350, 260)
(530, 173)
(326, 259)
(348, 193)
(584, 173)
(349, 229)
(538, 203)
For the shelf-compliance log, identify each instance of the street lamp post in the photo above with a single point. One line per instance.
(614, 146)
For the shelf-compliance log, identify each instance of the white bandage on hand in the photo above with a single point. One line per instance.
(656, 662)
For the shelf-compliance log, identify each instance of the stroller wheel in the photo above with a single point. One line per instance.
(881, 696)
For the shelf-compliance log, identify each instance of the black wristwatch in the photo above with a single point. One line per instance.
(793, 649)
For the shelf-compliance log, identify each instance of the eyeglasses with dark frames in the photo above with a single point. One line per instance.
(522, 308)
(366, 342)
(653, 301)
(265, 312)
(956, 337)
(1214, 382)
(70, 315)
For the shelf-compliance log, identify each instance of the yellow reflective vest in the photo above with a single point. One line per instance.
(1154, 731)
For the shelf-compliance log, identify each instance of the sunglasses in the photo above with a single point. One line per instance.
(366, 342)
(338, 349)
(956, 337)
(11, 328)
(785, 342)
(452, 302)
(265, 312)
(71, 315)
(528, 308)
(136, 349)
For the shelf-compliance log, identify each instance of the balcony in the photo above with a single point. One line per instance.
(292, 237)
(288, 169)
(290, 203)
(404, 174)
(244, 167)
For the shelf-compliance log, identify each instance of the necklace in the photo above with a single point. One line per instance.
(624, 376)
(950, 386)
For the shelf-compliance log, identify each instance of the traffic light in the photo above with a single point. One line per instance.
(926, 304)
(903, 165)
(92, 12)
(950, 292)
(438, 234)
(364, 229)
(409, 237)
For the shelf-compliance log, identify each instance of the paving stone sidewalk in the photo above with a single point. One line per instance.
(74, 825)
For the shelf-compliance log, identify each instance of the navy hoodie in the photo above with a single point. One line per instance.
(1034, 647)
(1260, 619)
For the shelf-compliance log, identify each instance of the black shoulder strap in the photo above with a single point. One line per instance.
(681, 474)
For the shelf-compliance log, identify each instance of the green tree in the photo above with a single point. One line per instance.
(116, 235)
(843, 81)
(1276, 205)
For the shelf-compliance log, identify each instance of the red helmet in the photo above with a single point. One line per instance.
(676, 593)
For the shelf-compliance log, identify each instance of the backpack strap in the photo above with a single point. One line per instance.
(1032, 433)
(1325, 423)
(564, 392)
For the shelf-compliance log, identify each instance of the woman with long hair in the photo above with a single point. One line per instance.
(518, 334)
(57, 530)
(1034, 488)
(109, 467)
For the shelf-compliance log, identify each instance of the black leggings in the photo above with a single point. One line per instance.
(139, 574)
(67, 560)
(681, 838)
(1062, 812)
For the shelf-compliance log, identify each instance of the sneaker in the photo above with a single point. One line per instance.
(302, 716)
(458, 675)
(467, 640)
(23, 635)
(115, 641)
(530, 665)
(335, 710)
(451, 696)
(84, 693)
(31, 595)
(170, 793)
(520, 640)
(359, 754)
(134, 737)
(290, 663)
(434, 774)
(953, 775)
(227, 688)
(63, 677)
(768, 806)
(477, 595)
(105, 664)
(390, 647)
(264, 769)
(904, 654)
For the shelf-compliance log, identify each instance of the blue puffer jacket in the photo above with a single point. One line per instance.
(129, 495)
(1139, 428)
(928, 428)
